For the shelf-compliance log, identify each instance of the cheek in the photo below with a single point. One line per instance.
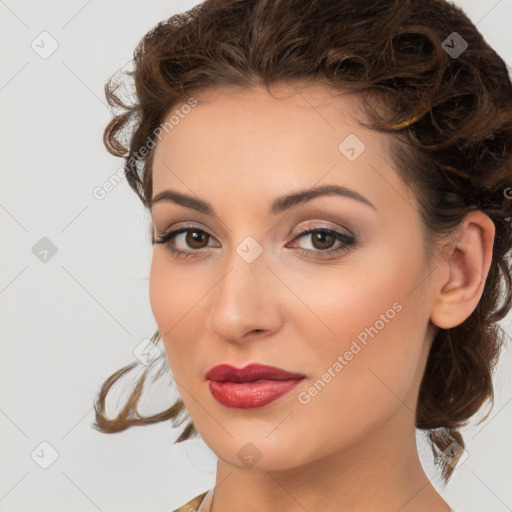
(175, 304)
(163, 293)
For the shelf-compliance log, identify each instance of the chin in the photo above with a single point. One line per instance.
(256, 452)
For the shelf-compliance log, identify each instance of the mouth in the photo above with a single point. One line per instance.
(250, 387)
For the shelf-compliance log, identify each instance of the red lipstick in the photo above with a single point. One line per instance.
(255, 385)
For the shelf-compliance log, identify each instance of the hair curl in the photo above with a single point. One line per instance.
(451, 121)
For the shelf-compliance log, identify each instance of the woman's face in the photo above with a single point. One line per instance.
(349, 312)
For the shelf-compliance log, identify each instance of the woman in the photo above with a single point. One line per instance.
(330, 189)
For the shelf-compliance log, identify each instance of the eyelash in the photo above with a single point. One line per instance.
(349, 241)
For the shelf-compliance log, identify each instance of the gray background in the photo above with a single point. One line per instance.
(68, 322)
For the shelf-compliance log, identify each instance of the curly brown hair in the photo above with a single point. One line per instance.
(450, 117)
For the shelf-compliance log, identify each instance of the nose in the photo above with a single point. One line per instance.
(246, 301)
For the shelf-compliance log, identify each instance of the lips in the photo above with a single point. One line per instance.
(250, 387)
(250, 373)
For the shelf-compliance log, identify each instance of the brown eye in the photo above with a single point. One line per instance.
(322, 241)
(195, 237)
(187, 241)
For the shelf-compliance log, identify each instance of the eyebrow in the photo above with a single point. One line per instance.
(279, 205)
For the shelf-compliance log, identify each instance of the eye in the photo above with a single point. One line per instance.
(189, 235)
(322, 240)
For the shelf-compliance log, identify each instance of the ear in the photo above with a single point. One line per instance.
(462, 269)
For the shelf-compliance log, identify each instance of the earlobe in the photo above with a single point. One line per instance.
(463, 270)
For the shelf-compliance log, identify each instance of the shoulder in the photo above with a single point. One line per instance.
(193, 504)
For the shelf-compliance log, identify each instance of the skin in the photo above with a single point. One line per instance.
(352, 447)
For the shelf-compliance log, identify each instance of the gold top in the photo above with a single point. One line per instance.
(193, 504)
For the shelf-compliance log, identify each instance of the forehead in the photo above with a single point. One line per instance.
(231, 114)
(265, 144)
